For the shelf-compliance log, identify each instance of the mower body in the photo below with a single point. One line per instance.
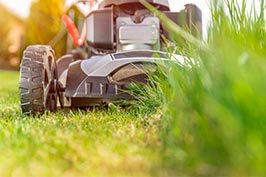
(123, 41)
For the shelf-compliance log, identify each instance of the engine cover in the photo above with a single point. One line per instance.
(100, 34)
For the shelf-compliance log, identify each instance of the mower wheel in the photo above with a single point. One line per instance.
(38, 78)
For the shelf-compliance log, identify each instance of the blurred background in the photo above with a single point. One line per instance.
(30, 22)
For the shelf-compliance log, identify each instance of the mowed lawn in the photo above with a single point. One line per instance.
(100, 142)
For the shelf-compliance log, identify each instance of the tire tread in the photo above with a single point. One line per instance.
(31, 80)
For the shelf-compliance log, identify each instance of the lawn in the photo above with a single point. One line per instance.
(100, 142)
(206, 118)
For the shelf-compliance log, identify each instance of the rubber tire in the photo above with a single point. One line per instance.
(37, 69)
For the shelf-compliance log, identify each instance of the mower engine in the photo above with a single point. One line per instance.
(123, 28)
(126, 25)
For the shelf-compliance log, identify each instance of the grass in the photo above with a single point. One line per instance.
(214, 111)
(74, 143)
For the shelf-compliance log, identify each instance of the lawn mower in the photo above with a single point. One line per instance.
(121, 39)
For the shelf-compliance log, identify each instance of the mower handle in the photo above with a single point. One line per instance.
(73, 31)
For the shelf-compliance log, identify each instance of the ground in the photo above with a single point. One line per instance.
(99, 142)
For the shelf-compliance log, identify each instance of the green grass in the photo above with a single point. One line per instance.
(214, 111)
(118, 142)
